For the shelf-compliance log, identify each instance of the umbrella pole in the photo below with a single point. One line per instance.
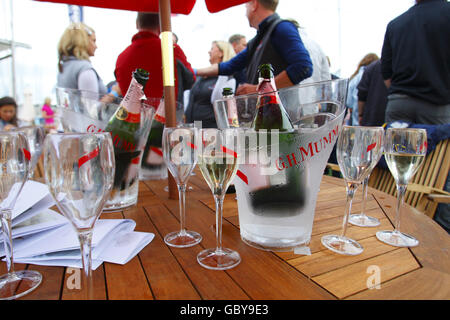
(168, 77)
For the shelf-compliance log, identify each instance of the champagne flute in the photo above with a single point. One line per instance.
(218, 162)
(405, 151)
(14, 171)
(35, 136)
(79, 171)
(179, 146)
(361, 219)
(358, 151)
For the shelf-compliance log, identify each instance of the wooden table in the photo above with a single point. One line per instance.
(164, 273)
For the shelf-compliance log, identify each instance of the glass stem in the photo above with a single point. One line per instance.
(182, 204)
(401, 190)
(351, 188)
(364, 192)
(85, 238)
(219, 211)
(7, 238)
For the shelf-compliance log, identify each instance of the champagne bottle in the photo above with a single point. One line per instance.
(282, 193)
(270, 113)
(124, 126)
(232, 115)
(153, 155)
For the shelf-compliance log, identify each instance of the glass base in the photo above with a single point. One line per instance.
(182, 239)
(397, 238)
(17, 284)
(342, 245)
(361, 220)
(189, 188)
(119, 206)
(223, 259)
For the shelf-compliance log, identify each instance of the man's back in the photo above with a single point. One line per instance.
(145, 52)
(416, 52)
(372, 90)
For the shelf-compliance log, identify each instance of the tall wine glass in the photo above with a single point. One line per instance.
(358, 151)
(361, 219)
(218, 162)
(179, 146)
(79, 171)
(35, 136)
(405, 151)
(14, 170)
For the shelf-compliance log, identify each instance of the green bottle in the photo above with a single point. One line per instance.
(270, 113)
(283, 193)
(124, 126)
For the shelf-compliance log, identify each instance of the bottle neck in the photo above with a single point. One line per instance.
(267, 91)
(132, 100)
(160, 114)
(266, 85)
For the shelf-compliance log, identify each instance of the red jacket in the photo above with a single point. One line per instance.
(145, 52)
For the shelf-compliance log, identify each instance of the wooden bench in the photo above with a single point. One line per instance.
(426, 190)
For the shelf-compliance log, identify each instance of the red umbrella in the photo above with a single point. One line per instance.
(165, 8)
(177, 6)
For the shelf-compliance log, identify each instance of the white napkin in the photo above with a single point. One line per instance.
(113, 241)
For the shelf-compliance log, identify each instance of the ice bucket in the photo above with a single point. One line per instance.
(280, 172)
(83, 111)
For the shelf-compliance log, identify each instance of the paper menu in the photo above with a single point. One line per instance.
(45, 237)
(65, 238)
(42, 221)
(32, 192)
(38, 207)
(114, 252)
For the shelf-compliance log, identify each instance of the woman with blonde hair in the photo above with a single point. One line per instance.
(76, 46)
(352, 93)
(208, 89)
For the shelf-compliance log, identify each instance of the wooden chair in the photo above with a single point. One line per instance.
(426, 190)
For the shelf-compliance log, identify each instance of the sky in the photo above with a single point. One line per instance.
(345, 29)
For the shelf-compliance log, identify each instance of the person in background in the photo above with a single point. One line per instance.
(333, 76)
(76, 46)
(277, 42)
(372, 96)
(48, 114)
(415, 64)
(145, 52)
(321, 67)
(8, 114)
(207, 89)
(352, 92)
(239, 42)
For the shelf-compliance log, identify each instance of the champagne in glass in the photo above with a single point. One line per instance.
(358, 151)
(405, 151)
(14, 171)
(79, 171)
(218, 162)
(180, 154)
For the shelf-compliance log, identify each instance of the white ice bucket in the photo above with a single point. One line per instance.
(280, 173)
